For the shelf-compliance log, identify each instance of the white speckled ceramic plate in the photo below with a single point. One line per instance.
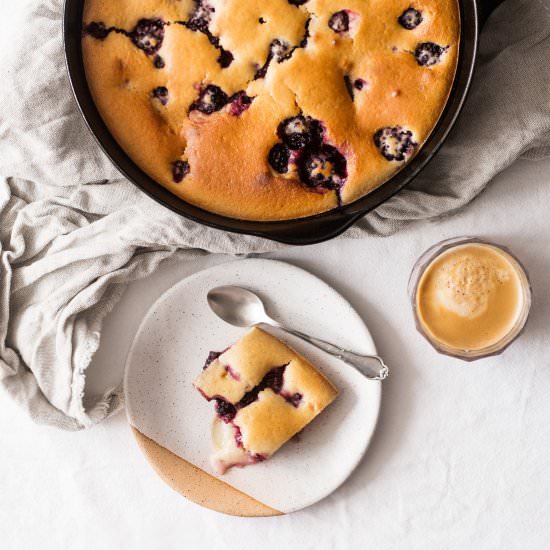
(172, 421)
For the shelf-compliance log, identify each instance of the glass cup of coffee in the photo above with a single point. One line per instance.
(470, 298)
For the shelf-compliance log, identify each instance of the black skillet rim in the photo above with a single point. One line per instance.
(300, 231)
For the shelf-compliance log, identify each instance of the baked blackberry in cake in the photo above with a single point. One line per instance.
(270, 110)
(264, 393)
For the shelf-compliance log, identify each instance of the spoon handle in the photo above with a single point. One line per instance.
(370, 366)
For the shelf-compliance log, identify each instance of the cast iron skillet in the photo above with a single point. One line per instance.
(301, 231)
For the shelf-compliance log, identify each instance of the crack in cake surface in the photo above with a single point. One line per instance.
(259, 407)
(148, 34)
(274, 380)
(280, 50)
(328, 68)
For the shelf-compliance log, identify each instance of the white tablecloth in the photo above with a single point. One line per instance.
(460, 458)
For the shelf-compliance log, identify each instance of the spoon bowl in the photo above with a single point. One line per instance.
(237, 306)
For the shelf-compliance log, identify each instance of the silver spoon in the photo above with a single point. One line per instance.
(242, 308)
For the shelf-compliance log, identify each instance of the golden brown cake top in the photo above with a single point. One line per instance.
(270, 110)
(264, 391)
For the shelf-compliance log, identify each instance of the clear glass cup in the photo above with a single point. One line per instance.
(465, 354)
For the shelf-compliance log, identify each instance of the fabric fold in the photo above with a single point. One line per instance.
(74, 233)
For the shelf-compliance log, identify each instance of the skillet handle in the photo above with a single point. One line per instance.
(485, 8)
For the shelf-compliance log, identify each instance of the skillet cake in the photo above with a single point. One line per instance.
(270, 109)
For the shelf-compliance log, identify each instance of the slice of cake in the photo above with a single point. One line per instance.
(265, 393)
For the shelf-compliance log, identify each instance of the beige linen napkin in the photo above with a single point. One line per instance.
(73, 233)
